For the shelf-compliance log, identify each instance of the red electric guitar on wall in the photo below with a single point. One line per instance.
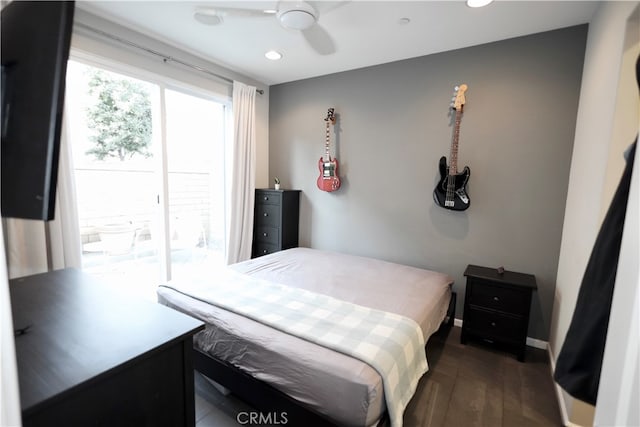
(328, 179)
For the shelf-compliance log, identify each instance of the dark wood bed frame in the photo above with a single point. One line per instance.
(267, 399)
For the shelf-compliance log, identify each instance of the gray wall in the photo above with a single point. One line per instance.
(393, 125)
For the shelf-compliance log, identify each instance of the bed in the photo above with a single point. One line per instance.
(273, 369)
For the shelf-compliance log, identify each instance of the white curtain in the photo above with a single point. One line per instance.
(35, 246)
(239, 237)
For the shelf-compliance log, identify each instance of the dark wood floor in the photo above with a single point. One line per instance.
(467, 385)
(474, 385)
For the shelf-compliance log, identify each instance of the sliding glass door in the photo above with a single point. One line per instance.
(195, 166)
(149, 169)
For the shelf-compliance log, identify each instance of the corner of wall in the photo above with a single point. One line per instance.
(563, 403)
(587, 183)
(262, 140)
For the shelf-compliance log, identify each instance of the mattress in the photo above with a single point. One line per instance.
(344, 389)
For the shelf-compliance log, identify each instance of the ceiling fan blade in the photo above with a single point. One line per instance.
(320, 40)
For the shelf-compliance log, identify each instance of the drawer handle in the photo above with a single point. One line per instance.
(496, 299)
(266, 198)
(265, 214)
(265, 234)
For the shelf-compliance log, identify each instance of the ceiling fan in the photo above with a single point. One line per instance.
(294, 15)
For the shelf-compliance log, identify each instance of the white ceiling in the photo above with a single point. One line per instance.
(361, 33)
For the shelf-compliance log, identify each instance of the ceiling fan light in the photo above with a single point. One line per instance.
(296, 19)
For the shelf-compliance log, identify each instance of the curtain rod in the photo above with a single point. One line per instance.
(165, 58)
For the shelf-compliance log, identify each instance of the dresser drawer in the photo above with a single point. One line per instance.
(266, 235)
(260, 249)
(267, 215)
(496, 297)
(494, 326)
(268, 198)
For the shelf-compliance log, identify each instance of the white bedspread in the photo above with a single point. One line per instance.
(391, 343)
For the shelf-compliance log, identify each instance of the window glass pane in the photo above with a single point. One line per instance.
(114, 147)
(195, 159)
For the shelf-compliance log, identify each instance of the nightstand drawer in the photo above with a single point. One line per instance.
(266, 235)
(260, 249)
(267, 216)
(269, 198)
(495, 297)
(494, 326)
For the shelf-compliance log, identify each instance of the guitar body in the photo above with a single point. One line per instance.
(459, 200)
(328, 179)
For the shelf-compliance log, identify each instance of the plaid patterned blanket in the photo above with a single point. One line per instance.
(392, 344)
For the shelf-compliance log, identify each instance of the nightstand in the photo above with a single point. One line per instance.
(497, 307)
(276, 219)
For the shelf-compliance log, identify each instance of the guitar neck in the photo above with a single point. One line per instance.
(327, 156)
(453, 155)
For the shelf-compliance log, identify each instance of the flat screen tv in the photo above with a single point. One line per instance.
(36, 37)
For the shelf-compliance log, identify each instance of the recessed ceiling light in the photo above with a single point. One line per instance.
(478, 3)
(404, 21)
(273, 55)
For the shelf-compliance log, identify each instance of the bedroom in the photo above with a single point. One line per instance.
(519, 226)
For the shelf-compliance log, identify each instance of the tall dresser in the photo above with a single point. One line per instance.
(276, 219)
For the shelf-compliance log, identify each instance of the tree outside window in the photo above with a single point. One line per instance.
(120, 118)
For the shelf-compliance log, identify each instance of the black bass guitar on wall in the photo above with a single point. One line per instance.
(451, 191)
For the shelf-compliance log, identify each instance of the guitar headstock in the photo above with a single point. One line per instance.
(330, 116)
(457, 102)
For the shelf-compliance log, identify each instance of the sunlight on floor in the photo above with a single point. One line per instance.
(140, 275)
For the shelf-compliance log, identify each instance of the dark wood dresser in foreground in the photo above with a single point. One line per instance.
(497, 307)
(89, 356)
(276, 219)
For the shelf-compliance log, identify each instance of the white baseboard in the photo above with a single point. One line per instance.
(536, 343)
(531, 342)
(561, 403)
